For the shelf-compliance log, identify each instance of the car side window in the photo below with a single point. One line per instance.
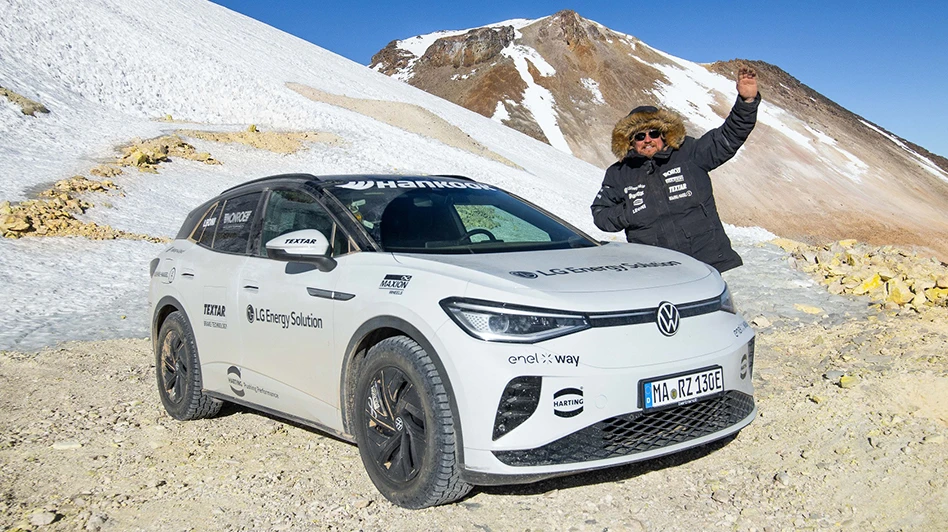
(204, 230)
(235, 223)
(292, 210)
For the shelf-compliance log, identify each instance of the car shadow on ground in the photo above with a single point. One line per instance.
(566, 481)
(606, 475)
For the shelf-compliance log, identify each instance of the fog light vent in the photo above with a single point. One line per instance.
(518, 402)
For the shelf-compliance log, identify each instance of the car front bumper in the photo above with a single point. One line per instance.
(577, 401)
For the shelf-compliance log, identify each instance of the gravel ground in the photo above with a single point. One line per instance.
(85, 445)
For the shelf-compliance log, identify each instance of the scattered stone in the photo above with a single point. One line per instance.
(67, 445)
(146, 155)
(895, 278)
(720, 496)
(848, 381)
(362, 503)
(817, 399)
(935, 438)
(43, 518)
(808, 309)
(96, 522)
(761, 322)
(27, 106)
(783, 478)
(833, 375)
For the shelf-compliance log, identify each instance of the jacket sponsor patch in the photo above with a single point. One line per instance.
(673, 171)
(685, 194)
(677, 188)
(568, 402)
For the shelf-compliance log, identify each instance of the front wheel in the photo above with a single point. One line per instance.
(405, 427)
(179, 372)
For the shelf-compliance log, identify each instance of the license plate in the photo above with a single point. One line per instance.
(682, 389)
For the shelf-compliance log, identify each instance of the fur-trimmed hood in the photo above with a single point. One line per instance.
(644, 118)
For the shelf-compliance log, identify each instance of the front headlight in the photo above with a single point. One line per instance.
(497, 322)
(727, 302)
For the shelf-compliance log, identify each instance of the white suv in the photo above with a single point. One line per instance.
(458, 334)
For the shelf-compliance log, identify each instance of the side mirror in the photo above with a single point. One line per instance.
(308, 246)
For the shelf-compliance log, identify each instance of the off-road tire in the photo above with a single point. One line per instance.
(178, 371)
(406, 429)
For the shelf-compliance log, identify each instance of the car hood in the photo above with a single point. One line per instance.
(606, 268)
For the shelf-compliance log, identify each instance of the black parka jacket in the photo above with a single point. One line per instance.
(667, 200)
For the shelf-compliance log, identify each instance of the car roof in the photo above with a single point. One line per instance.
(320, 181)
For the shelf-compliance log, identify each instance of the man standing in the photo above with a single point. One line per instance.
(659, 192)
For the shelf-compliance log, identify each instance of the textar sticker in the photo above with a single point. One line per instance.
(395, 283)
(568, 402)
(215, 316)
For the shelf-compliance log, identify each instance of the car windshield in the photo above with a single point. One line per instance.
(452, 216)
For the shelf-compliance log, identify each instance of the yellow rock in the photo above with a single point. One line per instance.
(942, 282)
(934, 294)
(252, 128)
(808, 309)
(898, 292)
(848, 243)
(848, 381)
(868, 285)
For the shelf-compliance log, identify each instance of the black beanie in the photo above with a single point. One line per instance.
(643, 109)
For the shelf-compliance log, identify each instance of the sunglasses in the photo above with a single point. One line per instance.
(653, 134)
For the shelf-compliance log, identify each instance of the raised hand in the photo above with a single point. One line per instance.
(747, 82)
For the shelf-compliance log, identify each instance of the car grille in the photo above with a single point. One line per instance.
(637, 432)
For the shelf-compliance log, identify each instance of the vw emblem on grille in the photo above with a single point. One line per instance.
(667, 318)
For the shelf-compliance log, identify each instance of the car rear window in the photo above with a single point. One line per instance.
(235, 223)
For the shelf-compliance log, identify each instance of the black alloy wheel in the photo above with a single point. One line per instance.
(405, 427)
(396, 419)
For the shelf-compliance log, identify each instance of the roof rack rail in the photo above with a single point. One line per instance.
(453, 176)
(298, 176)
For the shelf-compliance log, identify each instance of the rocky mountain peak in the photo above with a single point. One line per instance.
(469, 49)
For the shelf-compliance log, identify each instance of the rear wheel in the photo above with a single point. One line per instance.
(405, 427)
(179, 372)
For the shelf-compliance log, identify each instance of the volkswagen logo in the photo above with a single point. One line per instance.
(250, 313)
(525, 275)
(667, 318)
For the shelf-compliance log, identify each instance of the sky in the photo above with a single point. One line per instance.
(885, 62)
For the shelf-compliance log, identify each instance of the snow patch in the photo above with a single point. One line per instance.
(924, 162)
(593, 87)
(537, 99)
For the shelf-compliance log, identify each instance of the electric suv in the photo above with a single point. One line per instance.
(458, 334)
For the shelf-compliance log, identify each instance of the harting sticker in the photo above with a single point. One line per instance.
(568, 402)
(395, 284)
(239, 387)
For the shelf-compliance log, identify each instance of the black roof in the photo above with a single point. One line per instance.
(343, 177)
